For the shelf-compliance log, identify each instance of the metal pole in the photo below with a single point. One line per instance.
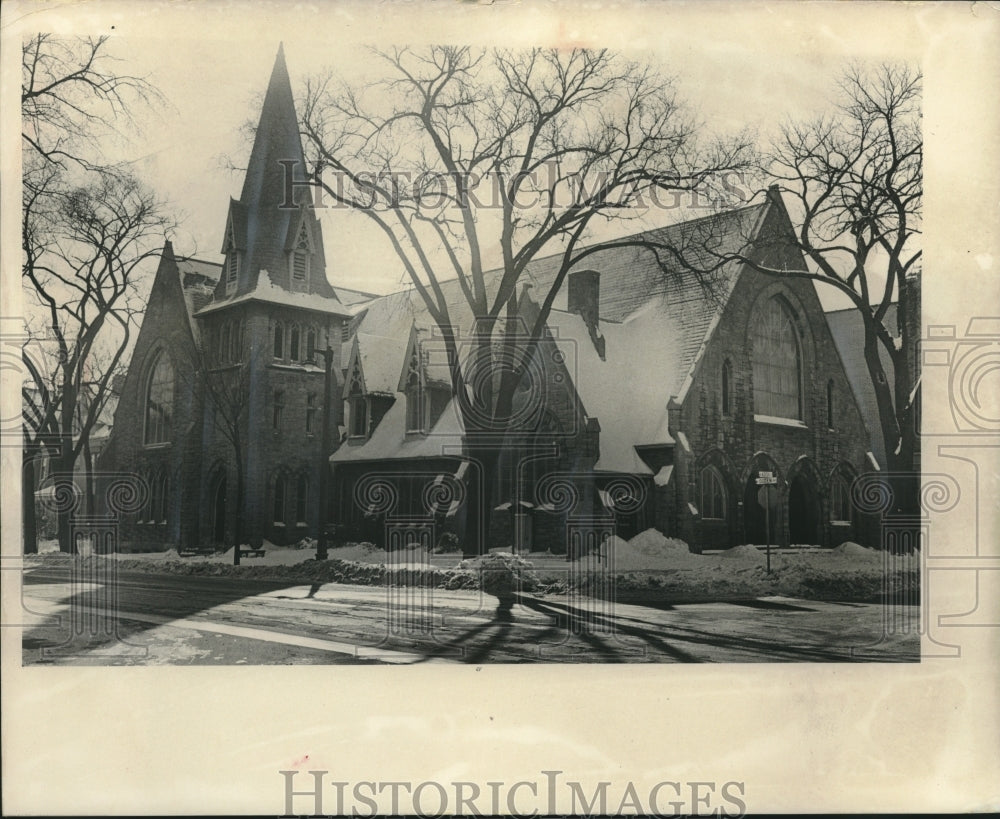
(767, 525)
(324, 465)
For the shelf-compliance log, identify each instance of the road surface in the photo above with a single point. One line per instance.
(147, 619)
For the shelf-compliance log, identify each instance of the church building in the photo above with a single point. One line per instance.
(263, 401)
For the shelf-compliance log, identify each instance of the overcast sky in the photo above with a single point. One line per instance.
(212, 86)
(212, 65)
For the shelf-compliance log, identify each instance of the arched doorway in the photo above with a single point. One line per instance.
(756, 517)
(803, 512)
(219, 506)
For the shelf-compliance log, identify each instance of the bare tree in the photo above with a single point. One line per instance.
(854, 182)
(469, 156)
(88, 227)
(85, 252)
(222, 374)
(72, 95)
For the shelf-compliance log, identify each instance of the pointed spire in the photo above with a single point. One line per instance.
(275, 199)
(277, 140)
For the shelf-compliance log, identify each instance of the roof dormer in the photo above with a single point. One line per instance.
(233, 247)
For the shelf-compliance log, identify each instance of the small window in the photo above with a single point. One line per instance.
(829, 404)
(279, 341)
(300, 265)
(713, 494)
(279, 500)
(727, 387)
(232, 269)
(146, 513)
(236, 343)
(359, 417)
(164, 498)
(416, 409)
(224, 343)
(840, 500)
(301, 496)
(293, 345)
(300, 256)
(311, 412)
(155, 493)
(311, 345)
(279, 408)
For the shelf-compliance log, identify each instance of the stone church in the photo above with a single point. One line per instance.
(263, 402)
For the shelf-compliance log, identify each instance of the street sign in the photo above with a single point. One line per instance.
(767, 481)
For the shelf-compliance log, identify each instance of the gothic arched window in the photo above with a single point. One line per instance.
(777, 363)
(224, 343)
(279, 341)
(727, 388)
(840, 498)
(311, 345)
(164, 487)
(278, 506)
(417, 399)
(236, 342)
(159, 401)
(293, 345)
(301, 497)
(713, 494)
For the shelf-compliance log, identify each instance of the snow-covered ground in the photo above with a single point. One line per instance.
(648, 564)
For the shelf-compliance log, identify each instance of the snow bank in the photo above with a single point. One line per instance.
(850, 549)
(746, 553)
(648, 550)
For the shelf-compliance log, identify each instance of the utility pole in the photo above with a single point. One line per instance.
(324, 454)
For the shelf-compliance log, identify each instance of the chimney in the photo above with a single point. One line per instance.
(584, 298)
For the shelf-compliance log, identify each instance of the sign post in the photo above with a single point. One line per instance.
(766, 481)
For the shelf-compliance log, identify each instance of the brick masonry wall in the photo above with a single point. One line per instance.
(730, 443)
(164, 331)
(288, 449)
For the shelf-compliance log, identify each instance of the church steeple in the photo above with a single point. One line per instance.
(264, 226)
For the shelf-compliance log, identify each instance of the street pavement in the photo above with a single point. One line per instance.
(158, 619)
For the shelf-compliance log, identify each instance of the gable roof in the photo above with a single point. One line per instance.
(389, 440)
(847, 329)
(656, 315)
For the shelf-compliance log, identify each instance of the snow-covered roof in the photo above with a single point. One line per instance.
(198, 280)
(381, 358)
(847, 329)
(390, 441)
(647, 343)
(655, 318)
(267, 291)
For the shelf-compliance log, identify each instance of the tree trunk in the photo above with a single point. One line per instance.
(64, 462)
(29, 524)
(897, 433)
(88, 477)
(479, 502)
(240, 491)
(888, 423)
